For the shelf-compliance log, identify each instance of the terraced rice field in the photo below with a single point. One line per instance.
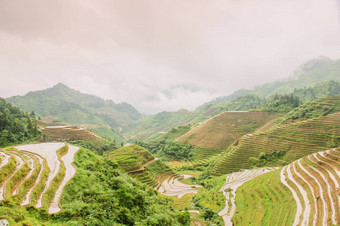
(201, 157)
(36, 174)
(222, 130)
(233, 181)
(296, 139)
(315, 184)
(172, 187)
(131, 157)
(306, 192)
(60, 133)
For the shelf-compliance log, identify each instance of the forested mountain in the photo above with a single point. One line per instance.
(310, 82)
(16, 126)
(160, 123)
(312, 72)
(72, 106)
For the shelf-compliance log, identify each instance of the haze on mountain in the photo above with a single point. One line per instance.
(160, 55)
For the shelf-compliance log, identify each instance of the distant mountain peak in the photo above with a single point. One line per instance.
(61, 85)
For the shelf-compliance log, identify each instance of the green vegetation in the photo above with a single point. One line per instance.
(180, 155)
(224, 129)
(41, 184)
(159, 123)
(309, 74)
(99, 194)
(100, 146)
(72, 106)
(283, 144)
(20, 174)
(28, 184)
(314, 109)
(277, 100)
(131, 157)
(174, 133)
(68, 133)
(264, 201)
(16, 126)
(141, 165)
(7, 169)
(49, 195)
(210, 197)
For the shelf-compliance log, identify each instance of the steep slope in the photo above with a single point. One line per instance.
(222, 130)
(156, 125)
(311, 81)
(67, 133)
(310, 73)
(306, 192)
(75, 107)
(90, 190)
(16, 126)
(141, 164)
(281, 145)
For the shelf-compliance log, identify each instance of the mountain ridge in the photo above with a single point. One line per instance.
(72, 106)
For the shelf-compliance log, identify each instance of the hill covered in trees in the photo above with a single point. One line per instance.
(71, 106)
(16, 126)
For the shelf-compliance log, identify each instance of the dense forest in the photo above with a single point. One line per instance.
(16, 126)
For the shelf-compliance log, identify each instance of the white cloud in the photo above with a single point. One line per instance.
(160, 55)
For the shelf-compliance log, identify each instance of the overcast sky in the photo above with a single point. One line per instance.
(160, 55)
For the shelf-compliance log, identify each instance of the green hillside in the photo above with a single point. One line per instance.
(269, 199)
(16, 126)
(223, 129)
(310, 73)
(131, 157)
(74, 107)
(315, 79)
(141, 164)
(99, 194)
(283, 144)
(155, 125)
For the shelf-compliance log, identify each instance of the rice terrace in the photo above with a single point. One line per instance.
(169, 113)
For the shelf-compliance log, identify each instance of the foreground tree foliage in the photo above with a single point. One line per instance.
(100, 194)
(169, 149)
(110, 196)
(16, 126)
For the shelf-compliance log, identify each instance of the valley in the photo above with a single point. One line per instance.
(257, 157)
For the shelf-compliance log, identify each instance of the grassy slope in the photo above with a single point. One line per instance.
(71, 106)
(131, 157)
(99, 194)
(264, 201)
(222, 130)
(296, 139)
(174, 133)
(161, 122)
(314, 71)
(68, 134)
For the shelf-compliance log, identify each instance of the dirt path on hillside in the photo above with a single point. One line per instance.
(172, 187)
(27, 199)
(233, 181)
(49, 152)
(29, 174)
(143, 166)
(20, 163)
(295, 195)
(70, 171)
